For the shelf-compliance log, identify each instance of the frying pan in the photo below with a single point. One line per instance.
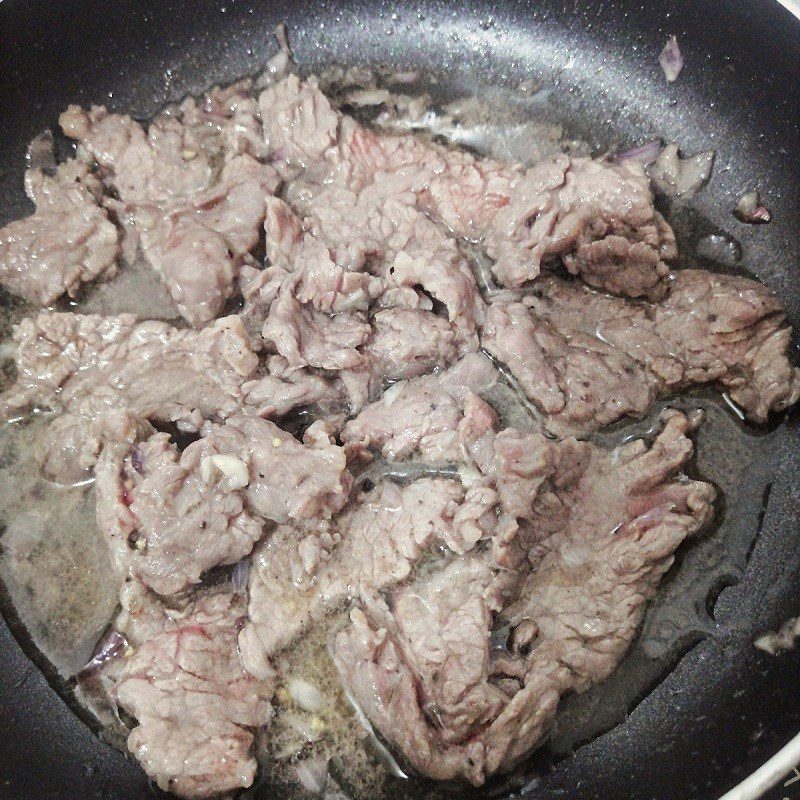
(717, 708)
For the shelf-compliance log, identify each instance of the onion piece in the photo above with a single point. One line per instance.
(671, 60)
(305, 695)
(780, 641)
(241, 575)
(313, 774)
(367, 97)
(302, 725)
(111, 646)
(676, 175)
(410, 76)
(721, 248)
(645, 154)
(41, 152)
(749, 209)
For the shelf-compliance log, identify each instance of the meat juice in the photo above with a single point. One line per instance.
(57, 583)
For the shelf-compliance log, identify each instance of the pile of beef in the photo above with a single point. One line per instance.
(360, 333)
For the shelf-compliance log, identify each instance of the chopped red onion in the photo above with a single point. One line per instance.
(676, 175)
(749, 209)
(112, 645)
(240, 576)
(41, 152)
(313, 774)
(644, 155)
(671, 59)
(136, 460)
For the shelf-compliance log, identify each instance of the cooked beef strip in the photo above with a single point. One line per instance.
(596, 217)
(335, 247)
(299, 576)
(424, 415)
(309, 338)
(273, 396)
(169, 517)
(164, 524)
(67, 241)
(286, 479)
(197, 246)
(407, 342)
(578, 381)
(83, 365)
(315, 315)
(587, 359)
(377, 227)
(605, 527)
(194, 704)
(195, 225)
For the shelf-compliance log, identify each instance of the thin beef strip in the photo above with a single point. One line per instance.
(378, 228)
(67, 241)
(198, 246)
(283, 479)
(314, 294)
(352, 240)
(169, 517)
(578, 381)
(195, 225)
(587, 359)
(405, 343)
(429, 674)
(375, 544)
(164, 524)
(87, 365)
(596, 217)
(424, 415)
(309, 338)
(195, 706)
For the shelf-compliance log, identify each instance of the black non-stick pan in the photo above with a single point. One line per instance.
(705, 713)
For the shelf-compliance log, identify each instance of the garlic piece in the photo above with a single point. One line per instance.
(307, 696)
(233, 469)
(393, 392)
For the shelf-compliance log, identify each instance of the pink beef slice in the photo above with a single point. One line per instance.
(377, 228)
(424, 416)
(67, 241)
(586, 359)
(407, 342)
(164, 525)
(196, 223)
(195, 707)
(338, 222)
(298, 576)
(595, 217)
(454, 703)
(168, 517)
(273, 396)
(286, 479)
(87, 365)
(309, 338)
(315, 315)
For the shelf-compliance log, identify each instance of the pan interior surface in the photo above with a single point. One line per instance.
(694, 707)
